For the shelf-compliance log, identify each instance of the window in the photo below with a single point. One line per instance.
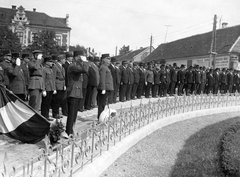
(58, 40)
(20, 36)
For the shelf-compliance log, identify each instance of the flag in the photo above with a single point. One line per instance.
(20, 121)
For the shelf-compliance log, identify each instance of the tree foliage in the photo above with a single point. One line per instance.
(45, 41)
(9, 40)
(124, 50)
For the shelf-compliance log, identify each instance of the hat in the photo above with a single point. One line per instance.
(113, 59)
(54, 57)
(78, 52)
(36, 51)
(135, 63)
(124, 62)
(60, 57)
(48, 58)
(105, 55)
(149, 63)
(25, 55)
(96, 58)
(182, 66)
(15, 54)
(69, 54)
(141, 64)
(6, 53)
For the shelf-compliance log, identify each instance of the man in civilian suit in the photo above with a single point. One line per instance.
(112, 95)
(36, 82)
(69, 59)
(74, 88)
(173, 78)
(24, 67)
(181, 79)
(216, 77)
(124, 81)
(130, 81)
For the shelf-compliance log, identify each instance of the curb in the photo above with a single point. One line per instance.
(101, 163)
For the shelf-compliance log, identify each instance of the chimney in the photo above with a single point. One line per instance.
(224, 24)
(34, 9)
(14, 7)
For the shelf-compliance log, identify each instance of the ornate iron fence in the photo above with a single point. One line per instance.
(70, 156)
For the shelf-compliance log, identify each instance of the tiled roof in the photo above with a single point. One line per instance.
(35, 18)
(129, 56)
(197, 45)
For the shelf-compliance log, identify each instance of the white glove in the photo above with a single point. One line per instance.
(55, 92)
(103, 92)
(39, 57)
(44, 93)
(64, 88)
(145, 83)
(18, 62)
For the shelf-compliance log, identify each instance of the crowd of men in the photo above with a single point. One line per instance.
(76, 82)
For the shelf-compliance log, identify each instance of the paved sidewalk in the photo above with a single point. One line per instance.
(19, 153)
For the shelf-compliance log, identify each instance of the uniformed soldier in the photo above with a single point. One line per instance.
(203, 80)
(156, 73)
(141, 80)
(223, 80)
(136, 80)
(216, 81)
(16, 77)
(50, 86)
(181, 79)
(230, 81)
(36, 82)
(173, 78)
(24, 67)
(113, 93)
(197, 79)
(59, 73)
(74, 88)
(163, 80)
(190, 80)
(130, 81)
(124, 81)
(149, 78)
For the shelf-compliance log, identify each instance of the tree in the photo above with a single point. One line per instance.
(124, 50)
(9, 40)
(45, 41)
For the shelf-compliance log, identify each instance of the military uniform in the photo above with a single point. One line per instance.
(50, 86)
(124, 82)
(60, 85)
(136, 81)
(74, 91)
(36, 83)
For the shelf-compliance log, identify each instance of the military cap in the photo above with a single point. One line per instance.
(61, 57)
(6, 53)
(48, 58)
(25, 55)
(69, 54)
(182, 66)
(96, 59)
(15, 54)
(90, 58)
(105, 55)
(124, 62)
(36, 51)
(113, 59)
(78, 52)
(54, 57)
(141, 64)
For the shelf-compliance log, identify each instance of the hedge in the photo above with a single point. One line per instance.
(230, 151)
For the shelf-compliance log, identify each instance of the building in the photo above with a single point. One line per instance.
(28, 23)
(195, 50)
(136, 55)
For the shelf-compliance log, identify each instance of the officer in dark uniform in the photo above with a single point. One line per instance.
(74, 88)
(50, 86)
(163, 81)
(197, 78)
(181, 79)
(113, 93)
(36, 82)
(224, 81)
(16, 77)
(59, 73)
(216, 77)
(24, 67)
(173, 76)
(124, 81)
(230, 81)
(130, 81)
(141, 84)
(190, 80)
(136, 80)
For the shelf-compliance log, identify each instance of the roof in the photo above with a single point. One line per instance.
(35, 18)
(197, 45)
(129, 56)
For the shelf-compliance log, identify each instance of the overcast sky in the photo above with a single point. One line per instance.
(107, 24)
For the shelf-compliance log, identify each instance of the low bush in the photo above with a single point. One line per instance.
(230, 151)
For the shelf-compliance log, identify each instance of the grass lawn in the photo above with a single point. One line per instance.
(200, 154)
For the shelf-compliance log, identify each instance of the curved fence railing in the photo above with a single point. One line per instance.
(72, 155)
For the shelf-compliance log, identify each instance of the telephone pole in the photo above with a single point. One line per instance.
(213, 44)
(116, 51)
(151, 44)
(166, 32)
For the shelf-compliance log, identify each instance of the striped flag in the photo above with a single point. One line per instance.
(20, 121)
